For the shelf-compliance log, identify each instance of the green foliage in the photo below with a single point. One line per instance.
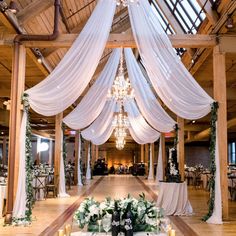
(214, 109)
(29, 162)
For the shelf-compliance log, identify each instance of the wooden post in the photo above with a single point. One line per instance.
(96, 154)
(219, 88)
(164, 162)
(146, 158)
(142, 153)
(17, 89)
(180, 146)
(58, 143)
(4, 151)
(77, 137)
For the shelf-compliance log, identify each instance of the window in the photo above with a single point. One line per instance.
(232, 153)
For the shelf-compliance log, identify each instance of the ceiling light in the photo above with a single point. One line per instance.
(13, 7)
(229, 23)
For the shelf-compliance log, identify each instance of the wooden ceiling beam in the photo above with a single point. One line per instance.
(118, 40)
(33, 9)
(211, 14)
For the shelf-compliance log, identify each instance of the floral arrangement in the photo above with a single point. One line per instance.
(146, 216)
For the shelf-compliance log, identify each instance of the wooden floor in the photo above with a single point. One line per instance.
(52, 214)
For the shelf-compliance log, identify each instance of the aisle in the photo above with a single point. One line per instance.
(52, 214)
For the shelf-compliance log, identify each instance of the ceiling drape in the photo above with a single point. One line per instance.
(146, 100)
(71, 76)
(93, 102)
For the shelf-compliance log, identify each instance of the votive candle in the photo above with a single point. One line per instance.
(68, 230)
(172, 232)
(60, 232)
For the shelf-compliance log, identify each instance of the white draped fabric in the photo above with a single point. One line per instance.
(20, 201)
(93, 102)
(71, 76)
(150, 172)
(88, 170)
(216, 217)
(104, 137)
(80, 181)
(62, 183)
(159, 172)
(170, 79)
(139, 129)
(100, 125)
(146, 100)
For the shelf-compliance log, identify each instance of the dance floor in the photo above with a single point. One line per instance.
(52, 214)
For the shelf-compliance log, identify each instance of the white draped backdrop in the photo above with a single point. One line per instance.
(172, 82)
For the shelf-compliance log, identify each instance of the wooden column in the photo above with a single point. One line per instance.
(17, 89)
(164, 162)
(4, 151)
(146, 157)
(180, 146)
(58, 143)
(77, 137)
(152, 149)
(142, 152)
(96, 152)
(219, 88)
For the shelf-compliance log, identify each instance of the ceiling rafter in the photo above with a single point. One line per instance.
(33, 9)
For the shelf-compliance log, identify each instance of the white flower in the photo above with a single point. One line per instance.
(93, 210)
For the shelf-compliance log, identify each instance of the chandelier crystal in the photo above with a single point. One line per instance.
(121, 90)
(125, 3)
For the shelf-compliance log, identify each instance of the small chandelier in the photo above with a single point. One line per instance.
(121, 87)
(125, 3)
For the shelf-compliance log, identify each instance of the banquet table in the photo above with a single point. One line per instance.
(173, 198)
(3, 193)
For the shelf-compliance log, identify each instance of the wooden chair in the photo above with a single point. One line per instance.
(198, 182)
(52, 185)
(40, 185)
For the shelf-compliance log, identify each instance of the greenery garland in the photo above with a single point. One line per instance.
(29, 161)
(176, 138)
(214, 109)
(64, 151)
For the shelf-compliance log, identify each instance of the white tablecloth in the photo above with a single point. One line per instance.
(104, 234)
(173, 198)
(3, 193)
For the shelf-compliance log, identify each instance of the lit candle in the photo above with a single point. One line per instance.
(172, 232)
(68, 230)
(60, 232)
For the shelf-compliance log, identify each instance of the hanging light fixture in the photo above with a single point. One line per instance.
(125, 3)
(121, 90)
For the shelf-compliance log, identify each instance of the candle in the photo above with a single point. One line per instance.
(60, 232)
(68, 230)
(172, 232)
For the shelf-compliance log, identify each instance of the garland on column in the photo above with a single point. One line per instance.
(64, 152)
(214, 109)
(29, 161)
(176, 138)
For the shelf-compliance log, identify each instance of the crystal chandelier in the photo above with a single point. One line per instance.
(121, 87)
(125, 3)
